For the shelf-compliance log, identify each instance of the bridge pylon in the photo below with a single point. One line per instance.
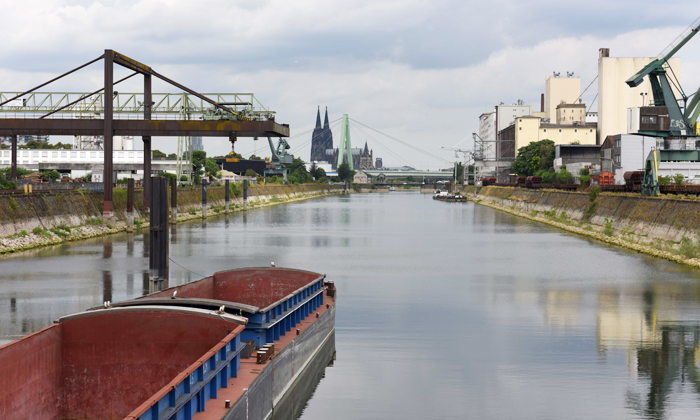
(345, 143)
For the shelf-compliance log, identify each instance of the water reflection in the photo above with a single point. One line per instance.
(444, 310)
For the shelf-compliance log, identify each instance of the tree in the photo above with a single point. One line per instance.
(564, 177)
(665, 180)
(319, 174)
(172, 156)
(584, 176)
(51, 175)
(534, 157)
(251, 172)
(87, 177)
(253, 157)
(157, 154)
(275, 180)
(297, 173)
(345, 173)
(198, 158)
(212, 167)
(678, 179)
(167, 175)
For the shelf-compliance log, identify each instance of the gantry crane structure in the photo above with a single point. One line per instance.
(468, 158)
(145, 126)
(675, 124)
(183, 106)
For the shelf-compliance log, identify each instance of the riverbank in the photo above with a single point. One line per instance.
(37, 220)
(663, 228)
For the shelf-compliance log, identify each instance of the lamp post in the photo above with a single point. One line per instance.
(644, 96)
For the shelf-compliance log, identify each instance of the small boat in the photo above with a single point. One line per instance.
(392, 189)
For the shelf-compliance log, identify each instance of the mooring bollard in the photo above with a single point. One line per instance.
(158, 255)
(173, 201)
(204, 198)
(130, 205)
(245, 194)
(227, 196)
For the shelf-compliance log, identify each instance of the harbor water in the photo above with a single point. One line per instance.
(445, 310)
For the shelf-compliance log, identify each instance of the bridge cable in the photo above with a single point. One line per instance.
(387, 149)
(404, 143)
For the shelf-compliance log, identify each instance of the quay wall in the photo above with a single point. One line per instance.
(653, 217)
(47, 210)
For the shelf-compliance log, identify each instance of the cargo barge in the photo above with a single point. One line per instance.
(228, 346)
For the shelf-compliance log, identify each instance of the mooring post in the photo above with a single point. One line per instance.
(13, 174)
(158, 239)
(245, 194)
(227, 195)
(130, 205)
(204, 198)
(173, 201)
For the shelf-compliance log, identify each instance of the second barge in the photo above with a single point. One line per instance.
(228, 346)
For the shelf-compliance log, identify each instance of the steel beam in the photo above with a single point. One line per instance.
(13, 174)
(166, 128)
(108, 133)
(147, 106)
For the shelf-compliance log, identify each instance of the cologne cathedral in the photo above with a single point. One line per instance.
(322, 149)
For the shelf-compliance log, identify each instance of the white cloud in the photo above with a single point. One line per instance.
(420, 71)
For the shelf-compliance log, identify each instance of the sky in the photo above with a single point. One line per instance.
(419, 71)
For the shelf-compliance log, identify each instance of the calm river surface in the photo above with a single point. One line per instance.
(445, 310)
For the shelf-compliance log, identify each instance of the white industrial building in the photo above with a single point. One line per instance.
(77, 163)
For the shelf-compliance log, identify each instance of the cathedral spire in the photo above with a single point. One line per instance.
(325, 124)
(318, 118)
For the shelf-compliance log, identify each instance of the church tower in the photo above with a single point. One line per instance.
(318, 149)
(321, 139)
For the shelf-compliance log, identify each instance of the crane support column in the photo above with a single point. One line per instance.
(107, 211)
(13, 174)
(147, 103)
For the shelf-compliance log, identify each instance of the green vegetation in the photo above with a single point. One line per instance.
(157, 154)
(535, 157)
(212, 168)
(42, 232)
(59, 232)
(345, 173)
(608, 229)
(51, 175)
(584, 177)
(592, 205)
(251, 173)
(168, 175)
(678, 179)
(192, 212)
(297, 173)
(94, 221)
(688, 248)
(33, 144)
(665, 180)
(278, 180)
(198, 159)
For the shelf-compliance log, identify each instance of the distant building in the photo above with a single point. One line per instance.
(360, 177)
(378, 163)
(197, 144)
(559, 89)
(571, 114)
(321, 139)
(528, 129)
(615, 96)
(577, 156)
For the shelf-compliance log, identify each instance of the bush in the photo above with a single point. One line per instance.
(608, 229)
(94, 221)
(688, 249)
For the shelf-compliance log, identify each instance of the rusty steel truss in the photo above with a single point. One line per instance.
(239, 125)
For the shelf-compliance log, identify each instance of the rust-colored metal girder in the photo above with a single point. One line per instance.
(95, 127)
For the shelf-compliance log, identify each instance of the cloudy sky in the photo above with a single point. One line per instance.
(420, 71)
